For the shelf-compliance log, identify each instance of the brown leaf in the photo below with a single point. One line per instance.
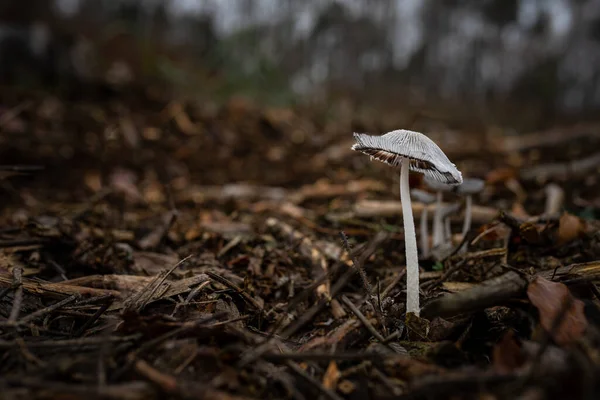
(183, 121)
(130, 132)
(500, 175)
(418, 328)
(332, 376)
(454, 287)
(530, 233)
(492, 231)
(507, 355)
(124, 181)
(151, 133)
(549, 298)
(154, 237)
(255, 262)
(570, 227)
(151, 263)
(335, 336)
(440, 329)
(93, 180)
(8, 262)
(518, 211)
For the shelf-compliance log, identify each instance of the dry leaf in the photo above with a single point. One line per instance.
(500, 175)
(518, 211)
(152, 263)
(530, 232)
(151, 133)
(130, 132)
(570, 227)
(332, 376)
(515, 186)
(549, 298)
(335, 336)
(154, 237)
(454, 287)
(8, 262)
(183, 121)
(492, 231)
(507, 355)
(441, 329)
(93, 180)
(124, 181)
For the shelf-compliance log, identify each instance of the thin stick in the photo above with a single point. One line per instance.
(49, 309)
(326, 356)
(357, 265)
(397, 278)
(363, 319)
(224, 281)
(328, 393)
(368, 288)
(72, 344)
(18, 298)
(93, 319)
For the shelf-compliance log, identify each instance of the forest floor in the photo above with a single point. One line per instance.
(155, 248)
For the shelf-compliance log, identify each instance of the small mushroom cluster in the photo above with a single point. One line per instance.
(416, 152)
(442, 235)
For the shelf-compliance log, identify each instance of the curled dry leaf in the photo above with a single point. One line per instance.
(550, 298)
(183, 121)
(570, 227)
(346, 387)
(332, 376)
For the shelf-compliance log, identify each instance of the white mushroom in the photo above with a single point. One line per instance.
(411, 151)
(427, 199)
(446, 247)
(438, 229)
(555, 197)
(468, 188)
(446, 212)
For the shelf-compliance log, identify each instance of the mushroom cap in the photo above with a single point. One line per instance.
(470, 186)
(425, 156)
(422, 196)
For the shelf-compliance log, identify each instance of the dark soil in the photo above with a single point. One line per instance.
(156, 248)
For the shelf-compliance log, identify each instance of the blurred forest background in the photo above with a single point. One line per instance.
(539, 58)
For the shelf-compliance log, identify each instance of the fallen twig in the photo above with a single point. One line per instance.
(503, 288)
(363, 319)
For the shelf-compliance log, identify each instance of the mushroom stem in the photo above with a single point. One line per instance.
(467, 222)
(447, 230)
(437, 221)
(424, 234)
(410, 243)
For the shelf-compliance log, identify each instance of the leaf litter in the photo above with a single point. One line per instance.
(153, 247)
